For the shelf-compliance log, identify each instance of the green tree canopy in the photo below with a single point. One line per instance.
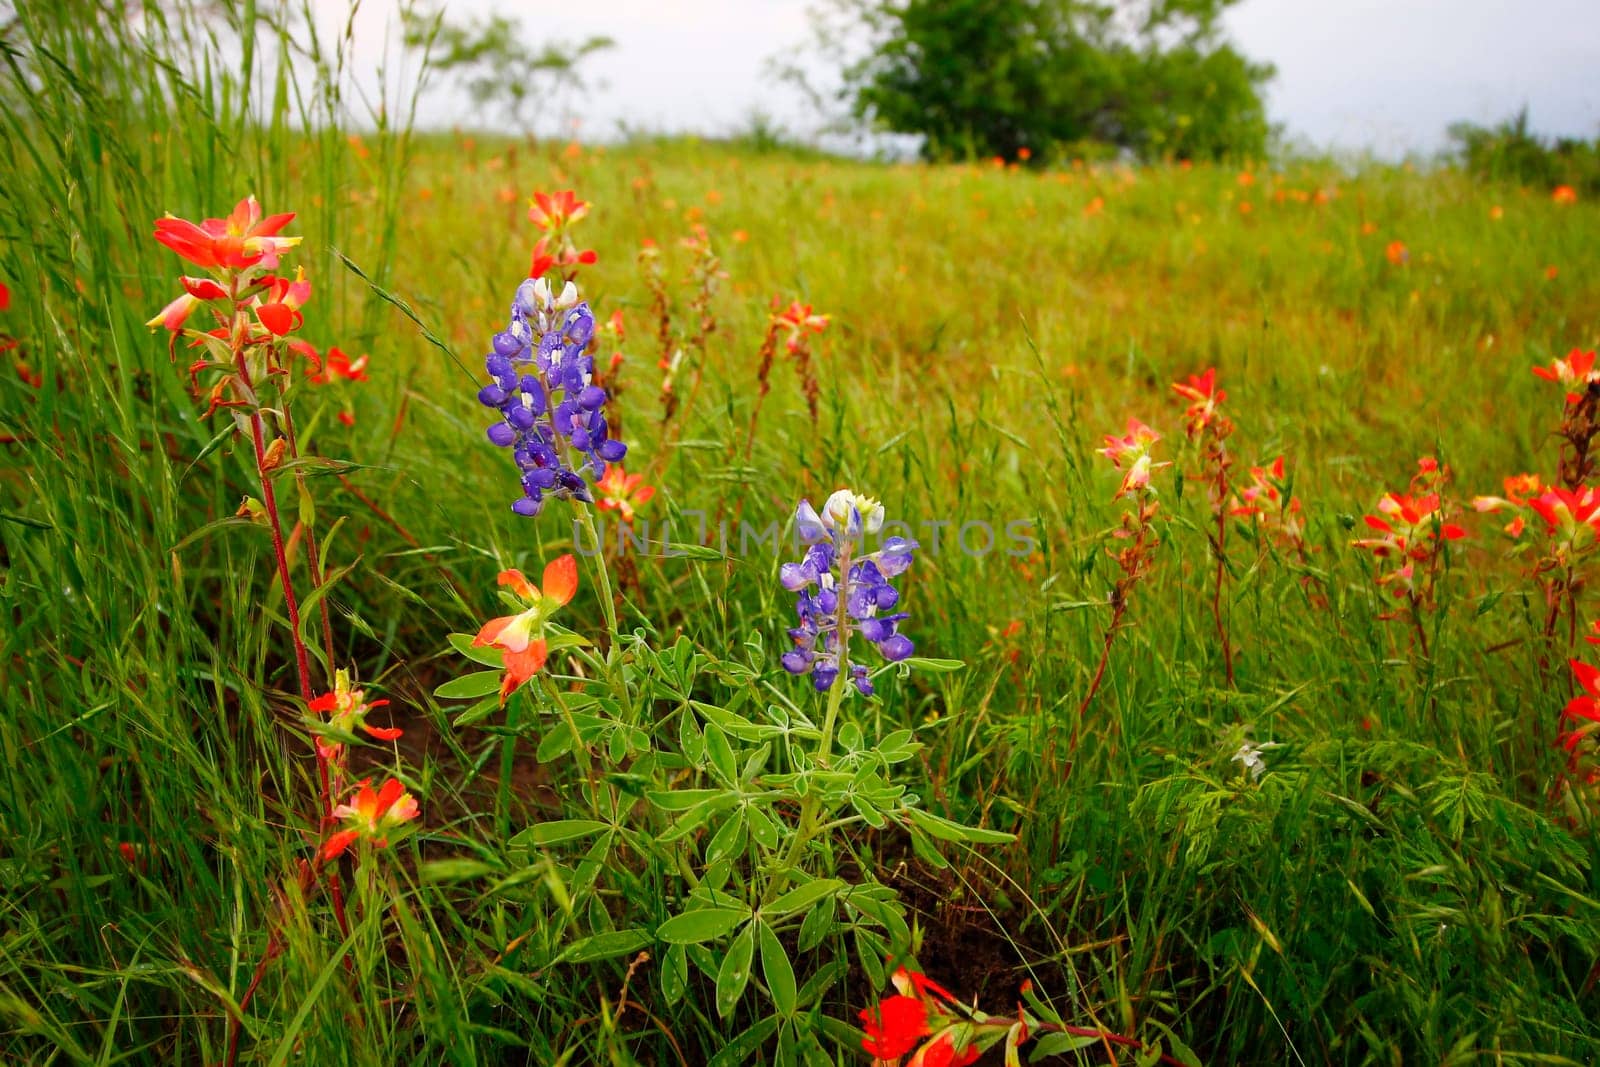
(991, 77)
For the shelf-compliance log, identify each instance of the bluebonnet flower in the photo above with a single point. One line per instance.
(844, 590)
(552, 416)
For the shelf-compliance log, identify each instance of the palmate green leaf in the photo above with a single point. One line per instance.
(674, 973)
(719, 756)
(682, 799)
(801, 897)
(817, 924)
(701, 925)
(762, 829)
(742, 1048)
(554, 833)
(470, 686)
(948, 830)
(728, 841)
(477, 713)
(734, 974)
(488, 655)
(776, 969)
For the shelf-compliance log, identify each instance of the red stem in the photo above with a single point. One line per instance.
(1219, 548)
(269, 501)
(1100, 671)
(1109, 1038)
(313, 553)
(314, 563)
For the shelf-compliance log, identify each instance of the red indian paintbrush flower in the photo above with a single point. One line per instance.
(798, 319)
(1518, 489)
(942, 1051)
(1571, 518)
(1576, 372)
(336, 364)
(521, 637)
(922, 1009)
(1132, 453)
(196, 291)
(543, 259)
(1408, 523)
(278, 309)
(1204, 396)
(371, 815)
(1583, 709)
(553, 211)
(1415, 532)
(894, 1027)
(243, 239)
(622, 492)
(347, 708)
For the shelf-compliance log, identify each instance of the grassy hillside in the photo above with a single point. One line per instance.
(1412, 878)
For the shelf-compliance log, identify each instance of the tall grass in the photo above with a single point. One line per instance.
(1399, 886)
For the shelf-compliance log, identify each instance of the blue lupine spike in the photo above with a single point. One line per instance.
(836, 564)
(550, 409)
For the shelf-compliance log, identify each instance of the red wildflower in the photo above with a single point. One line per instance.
(521, 637)
(1518, 488)
(942, 1052)
(1567, 512)
(1583, 708)
(570, 257)
(1204, 396)
(621, 492)
(372, 815)
(554, 211)
(347, 708)
(798, 320)
(278, 309)
(243, 239)
(1576, 370)
(1134, 449)
(894, 1027)
(339, 365)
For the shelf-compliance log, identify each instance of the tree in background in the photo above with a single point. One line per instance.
(992, 77)
(1512, 152)
(493, 61)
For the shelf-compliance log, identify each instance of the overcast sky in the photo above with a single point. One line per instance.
(1386, 75)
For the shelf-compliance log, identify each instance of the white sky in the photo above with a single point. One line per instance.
(1386, 75)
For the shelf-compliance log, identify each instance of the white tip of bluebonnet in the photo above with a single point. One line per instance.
(850, 513)
(568, 297)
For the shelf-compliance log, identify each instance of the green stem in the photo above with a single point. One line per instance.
(809, 812)
(601, 573)
(508, 755)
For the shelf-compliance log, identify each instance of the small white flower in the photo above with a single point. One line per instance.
(1249, 758)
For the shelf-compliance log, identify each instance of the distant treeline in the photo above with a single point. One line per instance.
(1510, 152)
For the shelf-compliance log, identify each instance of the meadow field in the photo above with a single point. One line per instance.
(1177, 771)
